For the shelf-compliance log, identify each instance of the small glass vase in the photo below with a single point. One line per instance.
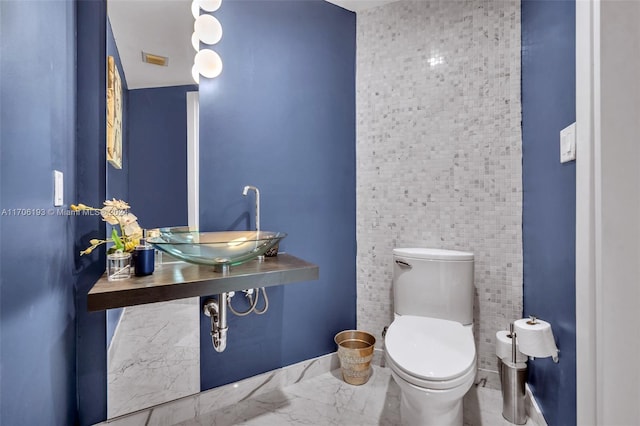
(118, 266)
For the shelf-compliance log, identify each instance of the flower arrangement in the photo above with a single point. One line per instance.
(116, 213)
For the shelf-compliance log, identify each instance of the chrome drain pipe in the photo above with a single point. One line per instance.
(217, 310)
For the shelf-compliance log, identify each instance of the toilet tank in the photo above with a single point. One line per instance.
(433, 283)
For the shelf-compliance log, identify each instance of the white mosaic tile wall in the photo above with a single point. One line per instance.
(439, 151)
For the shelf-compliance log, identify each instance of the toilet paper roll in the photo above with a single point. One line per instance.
(503, 347)
(536, 338)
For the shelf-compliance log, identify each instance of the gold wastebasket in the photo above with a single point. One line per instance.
(355, 351)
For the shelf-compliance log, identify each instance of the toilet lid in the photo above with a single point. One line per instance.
(430, 348)
(433, 254)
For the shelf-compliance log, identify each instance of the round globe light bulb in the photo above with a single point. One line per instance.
(195, 9)
(208, 29)
(195, 42)
(208, 63)
(210, 5)
(195, 74)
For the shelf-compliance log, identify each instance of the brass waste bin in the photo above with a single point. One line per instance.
(355, 351)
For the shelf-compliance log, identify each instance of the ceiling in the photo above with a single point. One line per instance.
(159, 27)
(164, 28)
(360, 5)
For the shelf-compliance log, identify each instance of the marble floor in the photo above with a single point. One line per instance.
(327, 400)
(154, 356)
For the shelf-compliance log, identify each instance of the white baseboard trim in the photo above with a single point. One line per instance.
(533, 409)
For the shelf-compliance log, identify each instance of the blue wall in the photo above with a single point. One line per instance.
(548, 105)
(37, 135)
(91, 355)
(158, 155)
(281, 116)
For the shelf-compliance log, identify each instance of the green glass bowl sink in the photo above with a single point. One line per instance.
(215, 248)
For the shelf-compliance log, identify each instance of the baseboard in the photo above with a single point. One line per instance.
(533, 409)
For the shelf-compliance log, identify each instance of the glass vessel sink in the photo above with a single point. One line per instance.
(226, 248)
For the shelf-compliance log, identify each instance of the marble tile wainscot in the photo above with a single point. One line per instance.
(180, 280)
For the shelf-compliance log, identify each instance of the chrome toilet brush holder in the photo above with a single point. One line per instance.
(513, 376)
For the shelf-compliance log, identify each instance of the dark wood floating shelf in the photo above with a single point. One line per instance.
(179, 280)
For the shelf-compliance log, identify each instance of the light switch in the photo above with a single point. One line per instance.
(58, 188)
(568, 143)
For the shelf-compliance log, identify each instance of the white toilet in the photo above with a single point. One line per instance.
(429, 346)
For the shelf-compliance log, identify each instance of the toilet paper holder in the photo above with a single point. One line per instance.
(533, 320)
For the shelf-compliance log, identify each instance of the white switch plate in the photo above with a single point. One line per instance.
(568, 143)
(58, 188)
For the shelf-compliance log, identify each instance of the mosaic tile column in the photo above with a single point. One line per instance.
(439, 151)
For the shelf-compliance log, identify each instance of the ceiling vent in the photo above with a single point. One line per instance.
(152, 59)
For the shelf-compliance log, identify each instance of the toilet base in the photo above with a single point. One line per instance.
(427, 407)
(413, 414)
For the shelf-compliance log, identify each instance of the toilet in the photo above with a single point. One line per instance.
(429, 346)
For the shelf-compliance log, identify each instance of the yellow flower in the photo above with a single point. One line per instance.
(131, 245)
(115, 212)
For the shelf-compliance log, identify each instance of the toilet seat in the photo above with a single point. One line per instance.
(431, 353)
(435, 385)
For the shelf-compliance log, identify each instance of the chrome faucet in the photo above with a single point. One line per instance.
(245, 191)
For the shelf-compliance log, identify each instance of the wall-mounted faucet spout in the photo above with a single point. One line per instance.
(245, 191)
